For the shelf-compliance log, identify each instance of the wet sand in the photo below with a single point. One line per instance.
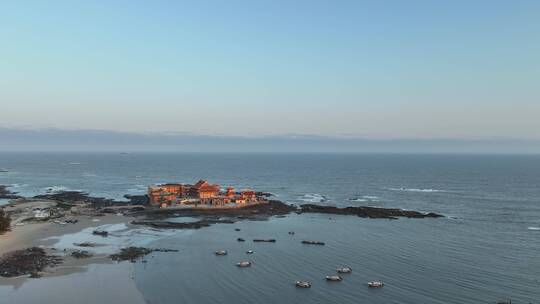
(33, 234)
(91, 279)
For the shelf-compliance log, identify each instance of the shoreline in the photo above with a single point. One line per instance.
(43, 234)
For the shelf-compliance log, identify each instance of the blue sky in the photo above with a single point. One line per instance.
(368, 69)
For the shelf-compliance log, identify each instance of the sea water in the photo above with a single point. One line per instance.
(485, 250)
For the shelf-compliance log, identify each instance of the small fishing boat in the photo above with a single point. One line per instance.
(344, 270)
(240, 240)
(375, 284)
(291, 232)
(249, 251)
(265, 240)
(236, 229)
(221, 252)
(98, 232)
(243, 264)
(334, 278)
(313, 242)
(303, 284)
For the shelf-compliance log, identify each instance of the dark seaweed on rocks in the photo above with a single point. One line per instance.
(370, 212)
(27, 261)
(133, 253)
(130, 253)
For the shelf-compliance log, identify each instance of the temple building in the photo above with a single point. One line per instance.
(201, 193)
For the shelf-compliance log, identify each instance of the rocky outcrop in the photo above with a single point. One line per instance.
(96, 202)
(5, 193)
(174, 225)
(369, 212)
(133, 253)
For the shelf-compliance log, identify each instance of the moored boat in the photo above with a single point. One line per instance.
(221, 252)
(240, 240)
(313, 242)
(344, 270)
(303, 284)
(375, 284)
(249, 251)
(243, 264)
(265, 240)
(334, 278)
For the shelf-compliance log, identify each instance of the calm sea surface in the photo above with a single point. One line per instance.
(487, 249)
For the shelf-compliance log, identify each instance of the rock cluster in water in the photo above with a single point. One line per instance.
(133, 253)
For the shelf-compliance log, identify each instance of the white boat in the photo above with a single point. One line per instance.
(334, 278)
(221, 252)
(243, 264)
(344, 270)
(303, 284)
(375, 284)
(249, 251)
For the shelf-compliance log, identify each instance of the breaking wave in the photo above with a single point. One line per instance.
(313, 198)
(365, 198)
(533, 228)
(416, 190)
(57, 189)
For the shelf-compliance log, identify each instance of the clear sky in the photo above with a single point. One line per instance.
(371, 69)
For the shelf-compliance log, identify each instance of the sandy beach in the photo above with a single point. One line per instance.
(72, 271)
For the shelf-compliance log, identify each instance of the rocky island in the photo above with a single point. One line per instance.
(75, 210)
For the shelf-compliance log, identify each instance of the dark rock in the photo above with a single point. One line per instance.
(137, 199)
(7, 194)
(370, 212)
(102, 233)
(313, 243)
(130, 253)
(81, 254)
(173, 225)
(85, 244)
(26, 261)
(133, 253)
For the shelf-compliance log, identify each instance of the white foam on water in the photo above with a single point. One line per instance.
(416, 190)
(57, 189)
(358, 199)
(371, 197)
(533, 228)
(313, 198)
(365, 198)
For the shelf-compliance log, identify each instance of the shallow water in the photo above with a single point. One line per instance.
(484, 251)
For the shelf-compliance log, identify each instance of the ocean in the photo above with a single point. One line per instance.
(486, 248)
